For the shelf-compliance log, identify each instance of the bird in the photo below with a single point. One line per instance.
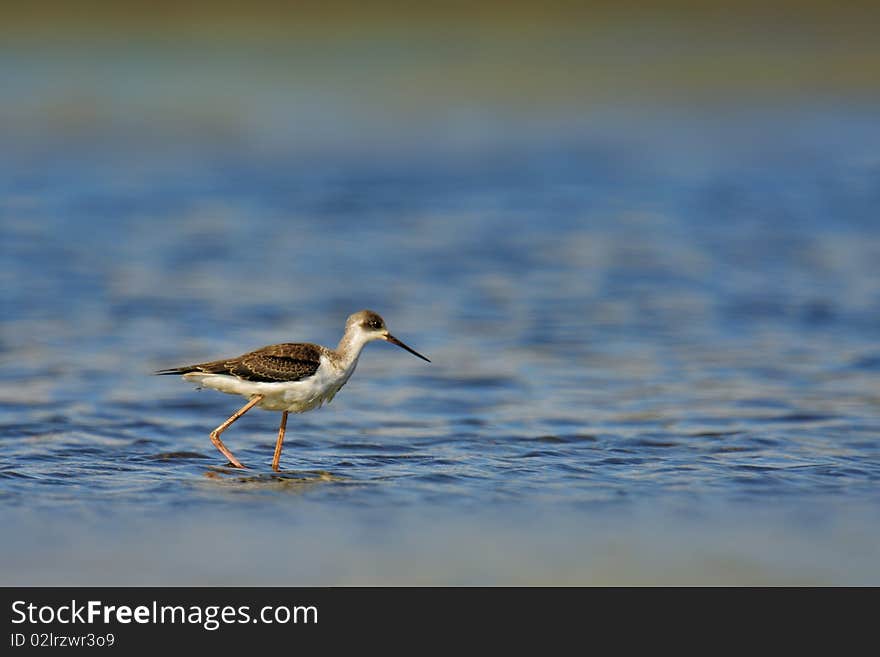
(291, 377)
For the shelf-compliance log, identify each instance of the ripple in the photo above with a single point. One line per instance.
(544, 453)
(647, 442)
(171, 456)
(12, 474)
(715, 434)
(801, 418)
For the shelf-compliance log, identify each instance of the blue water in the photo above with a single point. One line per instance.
(654, 343)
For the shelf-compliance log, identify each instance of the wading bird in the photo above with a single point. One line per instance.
(289, 377)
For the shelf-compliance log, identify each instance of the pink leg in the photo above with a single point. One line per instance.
(280, 442)
(215, 434)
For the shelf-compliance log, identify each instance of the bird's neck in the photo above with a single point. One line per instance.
(349, 348)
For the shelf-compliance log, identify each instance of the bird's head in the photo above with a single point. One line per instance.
(367, 326)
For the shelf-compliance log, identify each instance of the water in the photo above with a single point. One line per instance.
(654, 341)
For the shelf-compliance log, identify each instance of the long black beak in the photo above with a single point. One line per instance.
(390, 338)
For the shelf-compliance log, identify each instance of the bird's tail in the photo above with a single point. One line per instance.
(178, 370)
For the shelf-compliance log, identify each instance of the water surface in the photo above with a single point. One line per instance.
(654, 340)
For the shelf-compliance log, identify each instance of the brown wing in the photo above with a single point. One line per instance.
(277, 362)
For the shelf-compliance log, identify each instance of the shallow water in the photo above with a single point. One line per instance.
(654, 343)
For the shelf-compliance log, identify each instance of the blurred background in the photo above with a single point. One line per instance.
(639, 242)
